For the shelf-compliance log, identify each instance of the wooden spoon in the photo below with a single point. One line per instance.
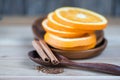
(65, 62)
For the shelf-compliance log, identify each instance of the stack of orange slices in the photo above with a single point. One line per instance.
(71, 28)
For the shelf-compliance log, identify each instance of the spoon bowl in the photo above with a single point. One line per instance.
(33, 55)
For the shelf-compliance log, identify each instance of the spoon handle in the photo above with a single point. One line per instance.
(100, 67)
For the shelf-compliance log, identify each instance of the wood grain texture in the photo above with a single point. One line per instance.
(53, 4)
(13, 7)
(1, 6)
(60, 78)
(96, 5)
(37, 7)
(15, 42)
(117, 8)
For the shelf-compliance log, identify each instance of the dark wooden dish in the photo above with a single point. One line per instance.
(76, 54)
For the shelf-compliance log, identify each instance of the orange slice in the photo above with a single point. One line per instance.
(55, 25)
(54, 40)
(80, 18)
(60, 33)
(78, 48)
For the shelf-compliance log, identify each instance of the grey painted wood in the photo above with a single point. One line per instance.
(13, 7)
(1, 7)
(37, 7)
(100, 6)
(53, 4)
(117, 8)
(44, 6)
(61, 78)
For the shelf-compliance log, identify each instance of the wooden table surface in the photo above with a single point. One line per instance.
(15, 43)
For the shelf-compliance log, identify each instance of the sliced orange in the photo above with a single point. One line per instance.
(55, 25)
(77, 48)
(60, 33)
(80, 18)
(54, 40)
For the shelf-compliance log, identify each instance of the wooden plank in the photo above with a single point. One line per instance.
(25, 67)
(54, 4)
(31, 7)
(15, 36)
(27, 21)
(117, 7)
(51, 5)
(1, 7)
(35, 7)
(22, 20)
(61, 78)
(13, 7)
(100, 6)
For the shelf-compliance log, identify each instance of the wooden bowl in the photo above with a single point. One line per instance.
(72, 54)
(82, 54)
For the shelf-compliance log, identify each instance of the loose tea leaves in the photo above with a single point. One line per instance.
(50, 70)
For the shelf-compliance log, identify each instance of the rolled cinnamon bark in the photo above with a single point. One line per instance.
(40, 51)
(50, 54)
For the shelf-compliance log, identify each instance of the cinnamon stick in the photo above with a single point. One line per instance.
(50, 54)
(41, 53)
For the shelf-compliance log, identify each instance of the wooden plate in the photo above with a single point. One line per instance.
(72, 54)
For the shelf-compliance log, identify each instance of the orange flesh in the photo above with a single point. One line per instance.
(80, 16)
